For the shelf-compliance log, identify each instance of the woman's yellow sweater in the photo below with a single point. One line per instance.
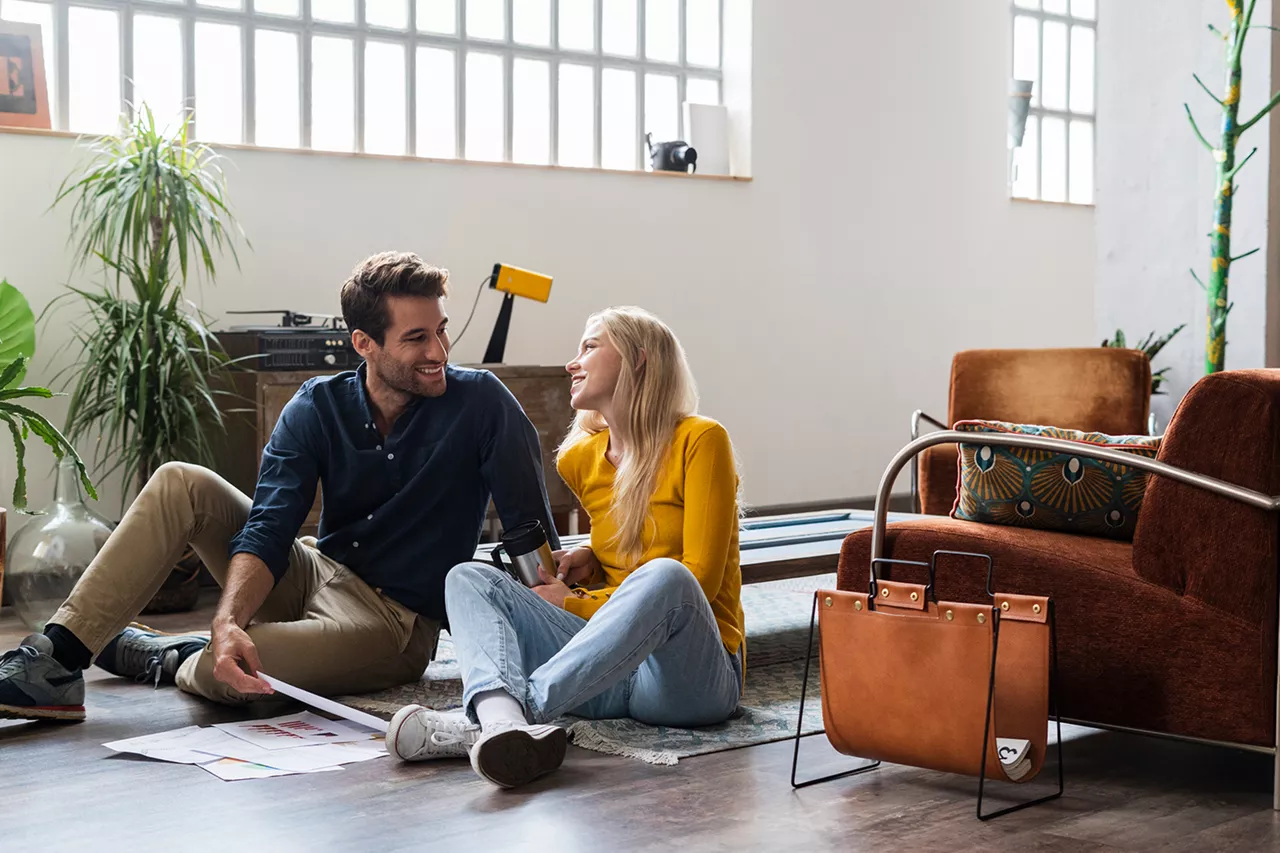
(693, 518)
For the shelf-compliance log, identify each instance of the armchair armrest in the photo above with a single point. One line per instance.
(1258, 500)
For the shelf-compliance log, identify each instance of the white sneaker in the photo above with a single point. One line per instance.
(418, 734)
(511, 754)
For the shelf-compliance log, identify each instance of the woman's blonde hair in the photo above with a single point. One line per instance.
(655, 392)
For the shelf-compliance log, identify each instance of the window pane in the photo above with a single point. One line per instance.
(1082, 162)
(385, 122)
(1027, 4)
(662, 30)
(1054, 89)
(219, 107)
(1082, 65)
(1057, 7)
(339, 11)
(486, 124)
(578, 25)
(437, 118)
(1087, 9)
(486, 19)
(531, 22)
(577, 116)
(1053, 159)
(157, 68)
(393, 14)
(333, 94)
(618, 119)
(619, 27)
(221, 4)
(661, 107)
(531, 111)
(437, 16)
(93, 45)
(25, 12)
(702, 32)
(276, 110)
(287, 8)
(1026, 163)
(1026, 53)
(698, 90)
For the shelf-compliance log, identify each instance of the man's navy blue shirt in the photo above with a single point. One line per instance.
(399, 510)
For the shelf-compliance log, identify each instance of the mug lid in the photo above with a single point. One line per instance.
(524, 538)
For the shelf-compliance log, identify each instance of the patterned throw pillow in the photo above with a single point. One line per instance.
(1027, 487)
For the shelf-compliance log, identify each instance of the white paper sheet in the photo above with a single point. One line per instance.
(294, 730)
(233, 770)
(327, 705)
(303, 759)
(189, 745)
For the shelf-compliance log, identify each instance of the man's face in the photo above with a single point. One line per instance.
(415, 348)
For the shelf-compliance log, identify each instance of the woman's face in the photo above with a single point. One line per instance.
(595, 370)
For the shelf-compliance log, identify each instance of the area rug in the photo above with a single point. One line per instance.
(777, 616)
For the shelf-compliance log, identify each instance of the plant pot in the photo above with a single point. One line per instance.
(52, 550)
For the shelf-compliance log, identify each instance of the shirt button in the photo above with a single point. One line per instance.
(391, 456)
(379, 447)
(371, 517)
(355, 544)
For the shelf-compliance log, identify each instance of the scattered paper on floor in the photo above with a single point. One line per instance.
(294, 730)
(260, 749)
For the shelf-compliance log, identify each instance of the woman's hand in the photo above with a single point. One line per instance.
(575, 565)
(552, 590)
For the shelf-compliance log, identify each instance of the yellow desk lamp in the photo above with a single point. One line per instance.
(514, 282)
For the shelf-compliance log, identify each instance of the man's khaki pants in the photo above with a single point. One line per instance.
(321, 628)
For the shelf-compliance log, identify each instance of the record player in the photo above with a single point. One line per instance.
(299, 342)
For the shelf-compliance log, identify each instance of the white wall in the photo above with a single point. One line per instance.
(820, 303)
(1156, 182)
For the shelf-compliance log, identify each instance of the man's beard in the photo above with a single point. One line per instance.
(405, 379)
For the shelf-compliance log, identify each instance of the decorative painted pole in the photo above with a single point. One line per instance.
(1227, 169)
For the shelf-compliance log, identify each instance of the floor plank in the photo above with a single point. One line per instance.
(62, 791)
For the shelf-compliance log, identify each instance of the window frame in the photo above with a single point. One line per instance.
(1038, 111)
(305, 26)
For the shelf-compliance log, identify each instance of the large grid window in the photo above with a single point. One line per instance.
(1054, 46)
(567, 82)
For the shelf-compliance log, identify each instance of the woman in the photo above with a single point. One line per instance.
(657, 632)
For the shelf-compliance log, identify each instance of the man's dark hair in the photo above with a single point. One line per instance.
(364, 294)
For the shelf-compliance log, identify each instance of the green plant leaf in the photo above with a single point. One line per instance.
(17, 330)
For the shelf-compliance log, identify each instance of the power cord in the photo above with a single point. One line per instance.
(467, 324)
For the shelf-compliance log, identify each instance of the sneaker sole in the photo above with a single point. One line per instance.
(517, 757)
(60, 713)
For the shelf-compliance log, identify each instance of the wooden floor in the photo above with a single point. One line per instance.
(60, 790)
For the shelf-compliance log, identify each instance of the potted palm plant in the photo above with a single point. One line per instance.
(150, 207)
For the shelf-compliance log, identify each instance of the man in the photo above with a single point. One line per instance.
(408, 451)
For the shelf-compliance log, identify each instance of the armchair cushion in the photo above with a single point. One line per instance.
(1026, 487)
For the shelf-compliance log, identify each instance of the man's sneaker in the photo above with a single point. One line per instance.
(34, 686)
(511, 754)
(417, 734)
(142, 654)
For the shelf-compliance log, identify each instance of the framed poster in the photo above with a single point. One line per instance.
(24, 95)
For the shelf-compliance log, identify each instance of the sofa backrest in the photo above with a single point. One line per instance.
(1200, 544)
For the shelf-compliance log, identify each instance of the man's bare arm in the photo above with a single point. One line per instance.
(249, 582)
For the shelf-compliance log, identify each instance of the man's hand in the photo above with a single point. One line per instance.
(232, 648)
(576, 565)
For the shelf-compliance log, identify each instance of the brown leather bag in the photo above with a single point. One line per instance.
(909, 680)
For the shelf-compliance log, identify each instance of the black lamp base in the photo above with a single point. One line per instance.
(498, 340)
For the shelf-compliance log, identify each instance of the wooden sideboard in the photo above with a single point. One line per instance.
(260, 396)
